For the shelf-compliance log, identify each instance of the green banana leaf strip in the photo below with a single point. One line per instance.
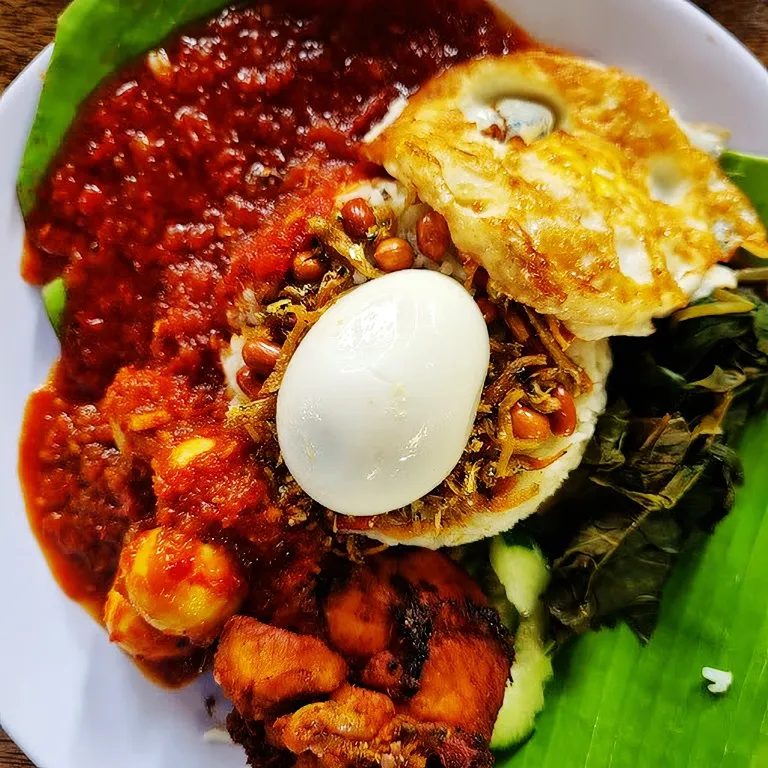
(54, 301)
(750, 172)
(93, 38)
(616, 703)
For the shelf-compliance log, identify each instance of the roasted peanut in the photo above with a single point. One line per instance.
(563, 421)
(308, 267)
(358, 218)
(248, 382)
(528, 424)
(432, 236)
(488, 308)
(260, 356)
(393, 254)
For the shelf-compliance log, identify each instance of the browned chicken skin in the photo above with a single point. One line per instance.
(425, 662)
(352, 715)
(261, 666)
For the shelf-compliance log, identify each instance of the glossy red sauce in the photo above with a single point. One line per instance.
(170, 174)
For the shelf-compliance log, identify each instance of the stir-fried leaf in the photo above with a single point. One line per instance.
(93, 38)
(615, 566)
(659, 471)
(720, 380)
(605, 449)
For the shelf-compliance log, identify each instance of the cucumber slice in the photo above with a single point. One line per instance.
(523, 571)
(54, 301)
(524, 695)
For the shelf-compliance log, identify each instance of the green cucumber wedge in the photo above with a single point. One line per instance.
(523, 571)
(750, 173)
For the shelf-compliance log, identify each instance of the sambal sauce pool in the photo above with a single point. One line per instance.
(170, 164)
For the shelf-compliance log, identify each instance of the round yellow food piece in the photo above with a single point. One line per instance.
(180, 585)
(137, 637)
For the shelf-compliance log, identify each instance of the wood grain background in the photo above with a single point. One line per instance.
(27, 25)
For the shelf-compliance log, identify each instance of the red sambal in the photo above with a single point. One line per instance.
(171, 166)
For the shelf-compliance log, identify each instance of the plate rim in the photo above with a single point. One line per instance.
(30, 743)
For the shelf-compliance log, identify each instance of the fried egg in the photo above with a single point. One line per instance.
(574, 185)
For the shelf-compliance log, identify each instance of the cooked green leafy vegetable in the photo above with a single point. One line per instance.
(93, 38)
(54, 301)
(660, 469)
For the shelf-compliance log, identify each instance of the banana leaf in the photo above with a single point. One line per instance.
(93, 38)
(616, 703)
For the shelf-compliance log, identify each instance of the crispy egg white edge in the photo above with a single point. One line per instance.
(696, 286)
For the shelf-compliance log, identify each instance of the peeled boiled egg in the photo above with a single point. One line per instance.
(378, 401)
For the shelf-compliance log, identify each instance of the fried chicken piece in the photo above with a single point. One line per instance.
(357, 727)
(384, 672)
(413, 610)
(428, 662)
(432, 573)
(351, 715)
(458, 680)
(260, 666)
(359, 617)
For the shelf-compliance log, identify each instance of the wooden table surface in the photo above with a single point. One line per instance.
(27, 25)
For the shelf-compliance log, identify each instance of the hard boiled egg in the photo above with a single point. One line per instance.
(379, 399)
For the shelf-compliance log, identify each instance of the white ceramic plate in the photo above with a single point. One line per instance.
(66, 696)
